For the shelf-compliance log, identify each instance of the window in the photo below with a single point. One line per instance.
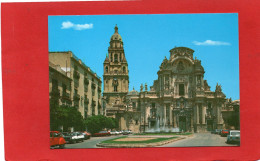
(111, 58)
(181, 89)
(106, 69)
(93, 110)
(116, 58)
(123, 69)
(199, 80)
(115, 88)
(64, 88)
(54, 84)
(134, 105)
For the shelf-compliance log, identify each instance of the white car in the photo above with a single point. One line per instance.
(80, 136)
(113, 132)
(234, 136)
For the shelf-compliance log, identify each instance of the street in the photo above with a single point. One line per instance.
(200, 139)
(90, 143)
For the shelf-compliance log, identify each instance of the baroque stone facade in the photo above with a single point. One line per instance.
(180, 99)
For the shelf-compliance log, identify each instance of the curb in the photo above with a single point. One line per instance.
(107, 145)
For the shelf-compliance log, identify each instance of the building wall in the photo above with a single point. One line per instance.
(85, 96)
(58, 80)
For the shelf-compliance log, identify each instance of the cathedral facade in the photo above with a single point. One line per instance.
(179, 100)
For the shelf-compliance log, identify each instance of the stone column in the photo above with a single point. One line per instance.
(191, 123)
(195, 114)
(164, 114)
(218, 113)
(198, 114)
(170, 112)
(203, 114)
(174, 120)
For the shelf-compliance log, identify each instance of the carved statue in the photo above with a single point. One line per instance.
(180, 66)
(145, 86)
(218, 88)
(206, 86)
(141, 88)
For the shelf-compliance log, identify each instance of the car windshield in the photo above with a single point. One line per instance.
(235, 133)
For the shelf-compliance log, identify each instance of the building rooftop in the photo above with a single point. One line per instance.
(79, 60)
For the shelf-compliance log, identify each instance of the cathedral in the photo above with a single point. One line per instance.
(179, 100)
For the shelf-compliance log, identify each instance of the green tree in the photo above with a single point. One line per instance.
(65, 116)
(97, 123)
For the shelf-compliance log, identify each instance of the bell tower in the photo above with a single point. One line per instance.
(115, 77)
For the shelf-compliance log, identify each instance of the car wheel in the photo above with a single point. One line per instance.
(62, 146)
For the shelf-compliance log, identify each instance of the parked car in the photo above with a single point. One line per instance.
(114, 132)
(120, 132)
(56, 139)
(224, 133)
(234, 136)
(80, 136)
(220, 131)
(70, 137)
(86, 134)
(126, 132)
(102, 133)
(217, 131)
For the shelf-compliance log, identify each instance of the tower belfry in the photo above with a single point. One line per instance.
(115, 77)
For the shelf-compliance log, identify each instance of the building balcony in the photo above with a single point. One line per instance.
(76, 74)
(93, 85)
(86, 100)
(86, 89)
(55, 93)
(76, 96)
(66, 95)
(86, 81)
(93, 103)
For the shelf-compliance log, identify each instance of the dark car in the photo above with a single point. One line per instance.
(102, 133)
(86, 134)
(70, 137)
(56, 139)
(224, 133)
(216, 131)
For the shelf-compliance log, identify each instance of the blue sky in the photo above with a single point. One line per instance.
(148, 39)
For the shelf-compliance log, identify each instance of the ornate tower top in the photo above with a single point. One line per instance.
(116, 29)
(116, 36)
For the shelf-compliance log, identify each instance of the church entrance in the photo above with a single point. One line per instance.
(152, 124)
(182, 123)
(209, 124)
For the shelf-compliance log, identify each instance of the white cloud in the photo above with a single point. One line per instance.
(68, 25)
(211, 42)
